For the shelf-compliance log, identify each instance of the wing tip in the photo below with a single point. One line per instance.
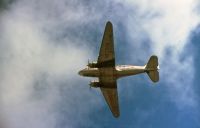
(116, 115)
(109, 23)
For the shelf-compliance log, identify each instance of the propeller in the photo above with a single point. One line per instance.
(88, 62)
(90, 85)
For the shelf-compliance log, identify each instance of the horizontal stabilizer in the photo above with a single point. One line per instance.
(152, 63)
(152, 68)
(154, 76)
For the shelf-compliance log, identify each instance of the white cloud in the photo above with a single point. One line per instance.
(26, 54)
(168, 23)
(29, 49)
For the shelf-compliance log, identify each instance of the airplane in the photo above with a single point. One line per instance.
(108, 72)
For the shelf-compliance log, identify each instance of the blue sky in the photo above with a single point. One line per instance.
(43, 44)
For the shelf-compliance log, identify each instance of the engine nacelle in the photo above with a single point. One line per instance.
(92, 65)
(95, 84)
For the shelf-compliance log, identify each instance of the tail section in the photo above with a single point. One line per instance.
(152, 68)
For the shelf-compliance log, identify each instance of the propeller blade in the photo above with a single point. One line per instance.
(90, 85)
(88, 63)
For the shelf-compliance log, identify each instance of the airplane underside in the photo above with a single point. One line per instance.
(107, 72)
(117, 72)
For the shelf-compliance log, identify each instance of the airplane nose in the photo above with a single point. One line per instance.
(80, 73)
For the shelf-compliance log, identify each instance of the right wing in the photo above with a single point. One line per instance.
(111, 96)
(106, 54)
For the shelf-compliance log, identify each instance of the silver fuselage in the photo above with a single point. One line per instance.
(117, 72)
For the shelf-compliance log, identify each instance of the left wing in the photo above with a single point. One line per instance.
(106, 54)
(111, 96)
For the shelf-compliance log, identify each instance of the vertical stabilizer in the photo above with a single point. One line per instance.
(152, 68)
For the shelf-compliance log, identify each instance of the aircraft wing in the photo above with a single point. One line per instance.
(107, 55)
(111, 96)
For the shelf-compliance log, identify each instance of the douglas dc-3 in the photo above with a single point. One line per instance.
(108, 73)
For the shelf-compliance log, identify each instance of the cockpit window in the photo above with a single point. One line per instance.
(86, 68)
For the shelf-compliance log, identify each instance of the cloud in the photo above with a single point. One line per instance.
(44, 43)
(31, 66)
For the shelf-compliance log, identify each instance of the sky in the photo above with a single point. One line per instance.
(43, 45)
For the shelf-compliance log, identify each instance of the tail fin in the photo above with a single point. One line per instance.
(152, 68)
